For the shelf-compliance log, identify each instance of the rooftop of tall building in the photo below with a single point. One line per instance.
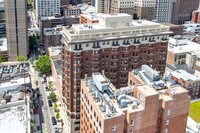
(112, 102)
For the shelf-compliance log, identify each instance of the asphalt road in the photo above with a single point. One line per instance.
(45, 111)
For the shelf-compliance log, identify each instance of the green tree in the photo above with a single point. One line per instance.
(50, 84)
(43, 65)
(32, 42)
(55, 106)
(57, 115)
(21, 58)
(2, 59)
(52, 96)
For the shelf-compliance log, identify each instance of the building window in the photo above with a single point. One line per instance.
(167, 122)
(132, 122)
(113, 127)
(166, 130)
(168, 113)
(131, 82)
(131, 131)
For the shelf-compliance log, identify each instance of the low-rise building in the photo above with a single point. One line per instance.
(88, 18)
(188, 81)
(191, 28)
(176, 29)
(106, 109)
(182, 51)
(15, 111)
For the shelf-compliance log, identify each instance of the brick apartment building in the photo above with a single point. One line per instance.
(140, 109)
(117, 44)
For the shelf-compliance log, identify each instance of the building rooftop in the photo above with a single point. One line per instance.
(113, 102)
(189, 47)
(85, 8)
(149, 76)
(3, 44)
(184, 75)
(70, 7)
(52, 31)
(54, 51)
(91, 16)
(13, 119)
(13, 76)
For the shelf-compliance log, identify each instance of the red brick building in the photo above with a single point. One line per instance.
(140, 109)
(88, 18)
(117, 44)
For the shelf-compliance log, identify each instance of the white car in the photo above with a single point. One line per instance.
(57, 129)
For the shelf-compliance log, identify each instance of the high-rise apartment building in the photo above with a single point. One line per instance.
(116, 45)
(16, 28)
(140, 109)
(145, 9)
(46, 8)
(182, 10)
(163, 11)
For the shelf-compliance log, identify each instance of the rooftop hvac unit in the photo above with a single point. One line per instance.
(100, 82)
(152, 74)
(122, 103)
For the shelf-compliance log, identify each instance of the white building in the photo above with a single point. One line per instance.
(45, 8)
(163, 10)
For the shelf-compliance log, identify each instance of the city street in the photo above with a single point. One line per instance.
(45, 111)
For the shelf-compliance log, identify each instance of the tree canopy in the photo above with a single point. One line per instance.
(21, 58)
(52, 96)
(2, 59)
(57, 115)
(43, 65)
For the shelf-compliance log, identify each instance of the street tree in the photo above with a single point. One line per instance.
(52, 96)
(43, 65)
(55, 106)
(57, 115)
(2, 59)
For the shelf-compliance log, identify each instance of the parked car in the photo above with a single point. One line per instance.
(50, 103)
(53, 120)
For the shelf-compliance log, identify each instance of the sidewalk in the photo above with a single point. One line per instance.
(59, 108)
